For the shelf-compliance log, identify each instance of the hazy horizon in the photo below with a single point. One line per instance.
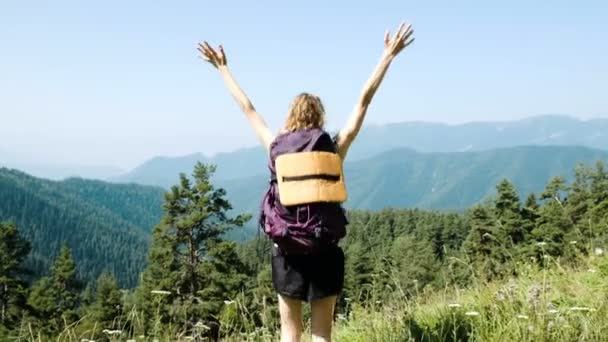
(114, 84)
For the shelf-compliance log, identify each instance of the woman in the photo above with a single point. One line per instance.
(314, 278)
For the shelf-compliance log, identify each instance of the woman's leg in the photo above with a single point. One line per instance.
(322, 311)
(291, 319)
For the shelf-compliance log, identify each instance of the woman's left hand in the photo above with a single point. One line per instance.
(216, 58)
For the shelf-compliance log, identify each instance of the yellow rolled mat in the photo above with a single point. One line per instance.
(310, 177)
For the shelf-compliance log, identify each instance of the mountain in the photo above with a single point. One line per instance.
(163, 171)
(106, 225)
(439, 180)
(376, 139)
(57, 171)
(546, 130)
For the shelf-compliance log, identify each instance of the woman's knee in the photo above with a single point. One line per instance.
(290, 310)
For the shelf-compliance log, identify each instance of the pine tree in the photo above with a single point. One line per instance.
(106, 311)
(598, 211)
(529, 216)
(416, 266)
(507, 210)
(358, 272)
(55, 298)
(13, 251)
(182, 261)
(555, 229)
(485, 246)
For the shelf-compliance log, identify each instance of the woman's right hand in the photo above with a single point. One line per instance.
(217, 59)
(392, 47)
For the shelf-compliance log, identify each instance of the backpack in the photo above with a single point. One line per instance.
(311, 227)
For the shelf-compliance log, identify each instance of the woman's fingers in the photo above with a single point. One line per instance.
(222, 55)
(386, 38)
(407, 33)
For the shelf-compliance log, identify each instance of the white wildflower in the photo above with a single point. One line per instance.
(573, 242)
(454, 305)
(591, 270)
(522, 316)
(553, 311)
(472, 313)
(228, 302)
(160, 292)
(581, 308)
(201, 325)
(599, 251)
(541, 244)
(112, 332)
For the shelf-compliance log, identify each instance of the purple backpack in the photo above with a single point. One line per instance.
(301, 229)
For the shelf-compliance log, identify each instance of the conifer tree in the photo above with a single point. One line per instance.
(555, 229)
(507, 209)
(485, 245)
(13, 251)
(358, 269)
(106, 311)
(187, 256)
(416, 264)
(55, 298)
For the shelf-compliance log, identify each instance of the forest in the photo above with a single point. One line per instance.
(196, 283)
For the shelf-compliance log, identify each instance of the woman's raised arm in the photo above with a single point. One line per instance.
(219, 61)
(392, 47)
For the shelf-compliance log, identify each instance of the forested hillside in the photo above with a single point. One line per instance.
(106, 226)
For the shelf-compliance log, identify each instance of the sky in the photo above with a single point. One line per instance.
(118, 82)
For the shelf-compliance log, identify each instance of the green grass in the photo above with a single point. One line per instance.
(543, 304)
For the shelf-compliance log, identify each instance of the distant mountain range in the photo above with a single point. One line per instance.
(438, 180)
(550, 130)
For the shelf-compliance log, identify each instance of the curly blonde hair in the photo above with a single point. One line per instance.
(306, 111)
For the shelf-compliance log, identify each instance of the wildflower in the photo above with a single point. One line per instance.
(580, 308)
(599, 251)
(472, 313)
(161, 292)
(534, 294)
(540, 244)
(454, 305)
(553, 311)
(573, 242)
(201, 325)
(228, 302)
(112, 332)
(522, 316)
(591, 270)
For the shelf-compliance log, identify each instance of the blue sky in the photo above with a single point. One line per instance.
(117, 82)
